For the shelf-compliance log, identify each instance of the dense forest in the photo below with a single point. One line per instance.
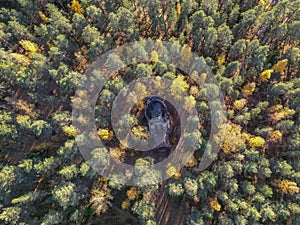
(250, 46)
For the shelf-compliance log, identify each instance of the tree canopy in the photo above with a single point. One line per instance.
(251, 47)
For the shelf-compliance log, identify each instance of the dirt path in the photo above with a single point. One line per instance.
(170, 210)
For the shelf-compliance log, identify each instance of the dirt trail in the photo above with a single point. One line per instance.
(170, 210)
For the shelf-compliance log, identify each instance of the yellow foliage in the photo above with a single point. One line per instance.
(202, 80)
(240, 104)
(140, 104)
(23, 120)
(43, 16)
(105, 134)
(122, 146)
(24, 60)
(282, 114)
(140, 132)
(116, 153)
(157, 83)
(76, 7)
(264, 3)
(192, 162)
(132, 193)
(194, 91)
(154, 57)
(288, 186)
(215, 205)
(280, 65)
(100, 198)
(276, 136)
(177, 175)
(70, 130)
(230, 137)
(245, 135)
(189, 103)
(29, 46)
(248, 89)
(256, 142)
(173, 172)
(185, 56)
(266, 75)
(221, 59)
(140, 89)
(178, 8)
(125, 204)
(261, 2)
(275, 108)
(179, 87)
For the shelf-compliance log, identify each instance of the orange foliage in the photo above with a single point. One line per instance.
(76, 7)
(288, 186)
(248, 89)
(280, 65)
(215, 205)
